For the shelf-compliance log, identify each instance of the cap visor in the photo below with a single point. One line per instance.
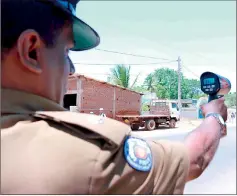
(85, 37)
(72, 67)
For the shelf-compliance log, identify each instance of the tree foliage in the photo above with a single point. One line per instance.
(149, 83)
(164, 82)
(230, 99)
(121, 76)
(140, 89)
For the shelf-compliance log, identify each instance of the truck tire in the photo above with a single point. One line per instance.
(150, 125)
(172, 123)
(135, 127)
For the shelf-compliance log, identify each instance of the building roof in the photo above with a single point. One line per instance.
(76, 75)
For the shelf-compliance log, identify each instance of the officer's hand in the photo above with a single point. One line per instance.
(215, 106)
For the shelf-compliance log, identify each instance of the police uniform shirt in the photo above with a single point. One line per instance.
(48, 150)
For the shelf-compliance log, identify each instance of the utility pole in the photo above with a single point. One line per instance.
(179, 83)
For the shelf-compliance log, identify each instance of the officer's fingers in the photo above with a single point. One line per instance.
(221, 100)
(223, 106)
(203, 108)
(226, 109)
(225, 112)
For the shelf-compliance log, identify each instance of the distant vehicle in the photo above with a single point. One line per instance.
(161, 112)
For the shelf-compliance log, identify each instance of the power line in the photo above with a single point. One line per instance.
(153, 63)
(106, 74)
(191, 71)
(175, 48)
(143, 56)
(130, 54)
(109, 74)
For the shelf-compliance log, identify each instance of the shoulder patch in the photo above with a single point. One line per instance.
(137, 153)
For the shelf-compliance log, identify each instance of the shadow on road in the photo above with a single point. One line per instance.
(159, 128)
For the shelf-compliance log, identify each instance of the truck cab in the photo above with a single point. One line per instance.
(175, 111)
(166, 108)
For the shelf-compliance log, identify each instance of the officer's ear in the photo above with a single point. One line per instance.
(28, 46)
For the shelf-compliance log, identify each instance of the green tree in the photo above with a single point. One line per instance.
(164, 82)
(230, 99)
(161, 92)
(140, 89)
(121, 76)
(193, 88)
(145, 107)
(149, 83)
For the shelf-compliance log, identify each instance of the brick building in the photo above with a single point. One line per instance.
(89, 95)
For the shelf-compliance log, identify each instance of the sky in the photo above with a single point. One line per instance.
(202, 33)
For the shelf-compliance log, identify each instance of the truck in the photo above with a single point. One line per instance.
(161, 112)
(88, 95)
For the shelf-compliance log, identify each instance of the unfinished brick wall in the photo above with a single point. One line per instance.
(95, 95)
(127, 102)
(72, 83)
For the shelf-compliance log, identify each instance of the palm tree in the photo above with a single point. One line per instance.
(150, 83)
(121, 76)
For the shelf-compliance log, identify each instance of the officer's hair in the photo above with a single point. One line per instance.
(20, 15)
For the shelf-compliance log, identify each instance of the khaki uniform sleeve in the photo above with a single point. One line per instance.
(102, 167)
(113, 175)
(171, 167)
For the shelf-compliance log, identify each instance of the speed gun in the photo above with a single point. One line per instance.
(214, 85)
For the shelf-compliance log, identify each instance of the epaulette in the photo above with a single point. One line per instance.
(112, 131)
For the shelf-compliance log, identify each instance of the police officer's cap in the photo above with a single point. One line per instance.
(84, 36)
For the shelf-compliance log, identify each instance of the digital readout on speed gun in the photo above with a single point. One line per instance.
(214, 85)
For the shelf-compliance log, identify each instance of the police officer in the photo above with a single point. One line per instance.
(48, 150)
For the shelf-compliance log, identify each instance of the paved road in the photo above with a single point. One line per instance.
(191, 114)
(220, 176)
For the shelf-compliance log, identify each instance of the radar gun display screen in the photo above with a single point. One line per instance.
(214, 85)
(209, 81)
